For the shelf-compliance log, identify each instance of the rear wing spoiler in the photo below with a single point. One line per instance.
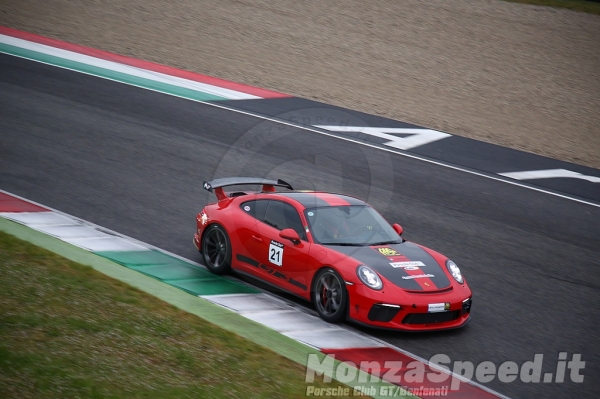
(218, 184)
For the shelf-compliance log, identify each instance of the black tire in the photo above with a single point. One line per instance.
(216, 250)
(329, 295)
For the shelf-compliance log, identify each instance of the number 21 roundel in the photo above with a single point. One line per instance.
(276, 253)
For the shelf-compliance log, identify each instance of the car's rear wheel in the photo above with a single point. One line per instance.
(216, 250)
(330, 296)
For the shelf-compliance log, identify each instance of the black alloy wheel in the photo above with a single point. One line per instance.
(216, 250)
(330, 296)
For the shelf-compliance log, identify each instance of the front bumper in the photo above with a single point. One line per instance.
(393, 308)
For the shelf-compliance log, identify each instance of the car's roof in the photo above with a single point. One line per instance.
(313, 199)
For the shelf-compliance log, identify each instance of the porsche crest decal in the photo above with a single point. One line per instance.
(387, 251)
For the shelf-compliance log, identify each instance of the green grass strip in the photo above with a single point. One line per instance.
(108, 74)
(20, 359)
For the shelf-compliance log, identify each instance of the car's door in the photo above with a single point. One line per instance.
(282, 261)
(247, 238)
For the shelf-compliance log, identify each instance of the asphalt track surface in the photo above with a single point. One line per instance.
(133, 161)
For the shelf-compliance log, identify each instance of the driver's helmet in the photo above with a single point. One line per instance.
(334, 225)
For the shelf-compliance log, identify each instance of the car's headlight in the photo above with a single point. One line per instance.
(369, 277)
(454, 271)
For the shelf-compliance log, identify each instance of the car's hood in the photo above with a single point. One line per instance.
(406, 265)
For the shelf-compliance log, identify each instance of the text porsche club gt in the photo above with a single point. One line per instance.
(333, 250)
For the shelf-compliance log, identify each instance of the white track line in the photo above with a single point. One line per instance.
(549, 174)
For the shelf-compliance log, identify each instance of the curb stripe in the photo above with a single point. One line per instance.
(109, 74)
(36, 50)
(126, 252)
(11, 204)
(253, 92)
(292, 322)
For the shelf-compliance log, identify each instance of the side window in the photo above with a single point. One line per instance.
(256, 209)
(283, 216)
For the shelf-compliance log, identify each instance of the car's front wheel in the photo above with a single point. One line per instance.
(216, 250)
(330, 296)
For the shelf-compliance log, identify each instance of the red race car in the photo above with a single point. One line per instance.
(333, 250)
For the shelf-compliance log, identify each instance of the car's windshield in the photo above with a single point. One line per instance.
(349, 225)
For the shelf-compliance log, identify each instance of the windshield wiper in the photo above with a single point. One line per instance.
(387, 242)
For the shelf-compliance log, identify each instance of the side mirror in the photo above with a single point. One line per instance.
(398, 228)
(290, 234)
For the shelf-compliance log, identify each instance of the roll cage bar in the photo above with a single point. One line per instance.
(217, 185)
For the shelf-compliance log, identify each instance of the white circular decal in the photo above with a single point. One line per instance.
(247, 208)
(311, 214)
